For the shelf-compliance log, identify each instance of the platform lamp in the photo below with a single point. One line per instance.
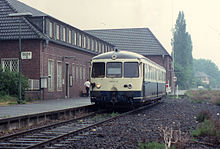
(20, 16)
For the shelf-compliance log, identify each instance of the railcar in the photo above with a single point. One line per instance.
(125, 78)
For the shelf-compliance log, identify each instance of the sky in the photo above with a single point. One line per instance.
(202, 19)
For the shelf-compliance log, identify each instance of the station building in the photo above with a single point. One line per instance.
(56, 56)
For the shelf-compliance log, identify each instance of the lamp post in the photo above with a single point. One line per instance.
(19, 15)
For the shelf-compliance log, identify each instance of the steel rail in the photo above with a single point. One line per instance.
(51, 141)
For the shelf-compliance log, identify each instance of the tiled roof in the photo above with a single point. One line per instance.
(139, 40)
(9, 26)
(21, 7)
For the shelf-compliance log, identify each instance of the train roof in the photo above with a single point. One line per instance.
(119, 55)
(123, 55)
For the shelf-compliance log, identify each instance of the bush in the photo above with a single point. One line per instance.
(208, 127)
(9, 83)
(202, 116)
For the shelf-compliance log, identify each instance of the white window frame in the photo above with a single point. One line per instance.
(69, 36)
(50, 29)
(64, 34)
(80, 72)
(84, 73)
(88, 43)
(100, 47)
(58, 32)
(96, 46)
(77, 72)
(79, 40)
(59, 76)
(50, 75)
(74, 71)
(84, 41)
(103, 48)
(10, 60)
(74, 37)
(92, 44)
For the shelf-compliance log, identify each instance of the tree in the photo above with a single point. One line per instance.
(182, 52)
(209, 68)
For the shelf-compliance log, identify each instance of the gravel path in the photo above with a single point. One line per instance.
(147, 126)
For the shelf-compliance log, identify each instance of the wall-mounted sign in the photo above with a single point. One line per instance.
(26, 55)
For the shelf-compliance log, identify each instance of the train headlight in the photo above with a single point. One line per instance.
(98, 86)
(129, 86)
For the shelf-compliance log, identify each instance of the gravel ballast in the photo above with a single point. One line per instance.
(149, 125)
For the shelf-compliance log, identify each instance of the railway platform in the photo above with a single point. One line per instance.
(42, 106)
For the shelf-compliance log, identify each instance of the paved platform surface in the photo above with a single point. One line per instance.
(42, 106)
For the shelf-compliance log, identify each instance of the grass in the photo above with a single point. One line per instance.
(207, 126)
(201, 96)
(103, 116)
(7, 100)
(12, 100)
(151, 145)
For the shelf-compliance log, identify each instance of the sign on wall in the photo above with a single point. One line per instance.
(26, 55)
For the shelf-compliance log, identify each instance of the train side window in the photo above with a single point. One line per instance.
(98, 70)
(145, 72)
(131, 70)
(114, 69)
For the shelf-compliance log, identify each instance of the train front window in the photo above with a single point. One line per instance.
(131, 70)
(114, 70)
(98, 70)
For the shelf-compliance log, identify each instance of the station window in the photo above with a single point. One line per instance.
(58, 32)
(79, 40)
(10, 64)
(100, 50)
(69, 36)
(64, 34)
(59, 76)
(50, 75)
(50, 29)
(73, 71)
(88, 43)
(96, 46)
(84, 41)
(77, 72)
(103, 48)
(80, 73)
(92, 44)
(84, 73)
(74, 38)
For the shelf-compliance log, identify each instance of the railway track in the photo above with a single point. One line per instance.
(61, 134)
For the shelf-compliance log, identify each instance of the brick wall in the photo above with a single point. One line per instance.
(30, 68)
(38, 65)
(58, 53)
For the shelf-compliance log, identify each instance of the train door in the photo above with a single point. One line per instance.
(67, 81)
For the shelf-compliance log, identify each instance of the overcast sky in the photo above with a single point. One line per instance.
(202, 19)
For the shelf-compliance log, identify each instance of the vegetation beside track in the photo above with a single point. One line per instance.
(207, 127)
(204, 96)
(7, 100)
(9, 87)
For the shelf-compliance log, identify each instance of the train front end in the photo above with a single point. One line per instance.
(115, 79)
